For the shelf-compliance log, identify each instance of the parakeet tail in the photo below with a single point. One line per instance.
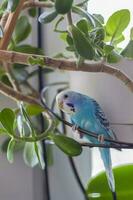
(106, 157)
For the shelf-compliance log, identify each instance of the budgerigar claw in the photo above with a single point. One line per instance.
(75, 130)
(101, 138)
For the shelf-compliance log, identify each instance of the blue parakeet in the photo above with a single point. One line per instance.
(86, 113)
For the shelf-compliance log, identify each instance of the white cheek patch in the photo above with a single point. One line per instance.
(67, 109)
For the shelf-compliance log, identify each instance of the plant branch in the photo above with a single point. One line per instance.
(15, 95)
(97, 67)
(10, 25)
(4, 19)
(37, 4)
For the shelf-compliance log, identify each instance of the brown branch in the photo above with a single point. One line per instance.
(4, 19)
(22, 58)
(37, 4)
(10, 25)
(15, 95)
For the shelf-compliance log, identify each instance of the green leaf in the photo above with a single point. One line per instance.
(99, 17)
(108, 49)
(39, 154)
(113, 57)
(20, 74)
(18, 145)
(83, 25)
(26, 48)
(1, 32)
(128, 51)
(118, 40)
(63, 6)
(47, 17)
(84, 14)
(32, 12)
(10, 151)
(67, 145)
(22, 29)
(12, 5)
(29, 154)
(82, 44)
(117, 23)
(131, 34)
(98, 187)
(34, 109)
(7, 119)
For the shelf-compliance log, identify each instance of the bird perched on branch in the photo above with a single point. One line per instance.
(86, 113)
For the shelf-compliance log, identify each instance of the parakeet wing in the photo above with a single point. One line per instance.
(100, 116)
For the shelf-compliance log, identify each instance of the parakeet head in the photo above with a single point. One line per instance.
(69, 102)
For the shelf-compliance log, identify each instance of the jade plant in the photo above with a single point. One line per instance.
(88, 38)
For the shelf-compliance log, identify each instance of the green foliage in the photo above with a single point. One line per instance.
(67, 145)
(117, 23)
(10, 150)
(7, 119)
(22, 30)
(83, 26)
(82, 44)
(63, 6)
(81, 12)
(47, 17)
(33, 154)
(29, 154)
(12, 5)
(32, 12)
(128, 51)
(34, 109)
(98, 187)
(113, 57)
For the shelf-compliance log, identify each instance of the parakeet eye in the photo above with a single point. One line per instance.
(65, 96)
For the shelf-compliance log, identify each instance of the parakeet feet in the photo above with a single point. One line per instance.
(75, 130)
(101, 138)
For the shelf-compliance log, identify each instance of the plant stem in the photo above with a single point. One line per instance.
(97, 67)
(10, 25)
(69, 18)
(37, 4)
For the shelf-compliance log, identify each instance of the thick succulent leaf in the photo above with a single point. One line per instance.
(7, 119)
(131, 34)
(83, 25)
(39, 154)
(108, 49)
(22, 29)
(113, 57)
(20, 74)
(99, 17)
(84, 14)
(34, 109)
(63, 6)
(26, 48)
(67, 145)
(128, 51)
(82, 43)
(117, 23)
(10, 150)
(32, 12)
(29, 154)
(47, 17)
